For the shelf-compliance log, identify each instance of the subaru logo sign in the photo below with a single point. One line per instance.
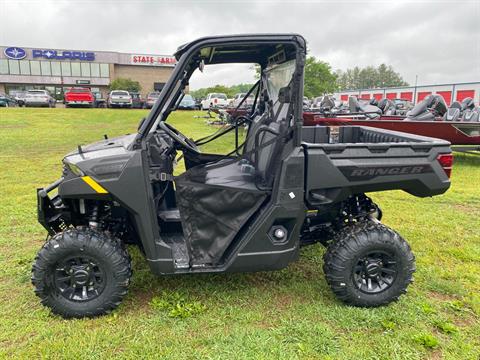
(15, 53)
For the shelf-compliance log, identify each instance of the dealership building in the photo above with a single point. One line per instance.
(55, 70)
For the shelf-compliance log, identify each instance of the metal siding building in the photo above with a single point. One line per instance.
(23, 68)
(450, 92)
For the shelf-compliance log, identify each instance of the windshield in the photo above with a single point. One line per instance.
(279, 76)
(219, 96)
(78, 90)
(187, 98)
(154, 95)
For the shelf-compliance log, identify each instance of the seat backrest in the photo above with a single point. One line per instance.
(258, 121)
(271, 119)
(265, 153)
(471, 115)
(452, 114)
(267, 131)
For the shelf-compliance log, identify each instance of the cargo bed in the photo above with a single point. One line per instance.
(346, 160)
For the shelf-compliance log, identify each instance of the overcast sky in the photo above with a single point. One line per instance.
(438, 40)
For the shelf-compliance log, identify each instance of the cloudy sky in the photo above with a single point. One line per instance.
(437, 40)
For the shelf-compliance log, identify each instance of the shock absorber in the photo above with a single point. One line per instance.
(93, 222)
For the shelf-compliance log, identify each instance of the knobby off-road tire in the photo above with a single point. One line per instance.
(81, 273)
(368, 265)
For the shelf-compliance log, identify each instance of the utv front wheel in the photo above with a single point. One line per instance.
(369, 265)
(81, 273)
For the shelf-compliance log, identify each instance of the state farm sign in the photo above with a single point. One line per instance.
(152, 60)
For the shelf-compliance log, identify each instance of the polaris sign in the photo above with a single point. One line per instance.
(15, 53)
(63, 55)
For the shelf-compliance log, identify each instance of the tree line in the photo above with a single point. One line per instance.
(321, 79)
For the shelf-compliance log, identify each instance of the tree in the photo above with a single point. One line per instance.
(319, 78)
(230, 91)
(369, 77)
(125, 84)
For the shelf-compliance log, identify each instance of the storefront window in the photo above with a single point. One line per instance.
(24, 67)
(95, 70)
(45, 65)
(3, 66)
(35, 67)
(14, 67)
(76, 69)
(66, 69)
(85, 69)
(56, 68)
(104, 71)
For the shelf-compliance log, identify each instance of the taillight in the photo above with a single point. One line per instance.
(215, 100)
(446, 161)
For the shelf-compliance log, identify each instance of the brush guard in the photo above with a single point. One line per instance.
(49, 210)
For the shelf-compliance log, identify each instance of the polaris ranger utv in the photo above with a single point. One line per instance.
(283, 187)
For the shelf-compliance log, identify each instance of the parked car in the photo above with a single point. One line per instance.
(7, 101)
(19, 96)
(237, 99)
(39, 98)
(151, 98)
(198, 103)
(137, 101)
(119, 98)
(215, 100)
(100, 101)
(187, 103)
(78, 96)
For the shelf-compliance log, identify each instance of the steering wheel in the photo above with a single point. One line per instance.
(176, 135)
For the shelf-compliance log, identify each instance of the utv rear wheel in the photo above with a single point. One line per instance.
(369, 265)
(81, 273)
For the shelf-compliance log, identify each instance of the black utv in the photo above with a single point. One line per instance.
(284, 186)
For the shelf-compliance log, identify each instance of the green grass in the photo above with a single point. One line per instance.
(286, 314)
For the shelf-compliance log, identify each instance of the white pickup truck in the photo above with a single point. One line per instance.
(119, 98)
(218, 100)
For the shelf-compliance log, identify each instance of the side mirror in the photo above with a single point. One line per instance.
(201, 66)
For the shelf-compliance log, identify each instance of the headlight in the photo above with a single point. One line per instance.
(74, 168)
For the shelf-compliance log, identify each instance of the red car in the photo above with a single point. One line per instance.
(79, 97)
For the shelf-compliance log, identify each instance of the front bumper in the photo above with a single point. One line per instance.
(36, 102)
(120, 103)
(49, 210)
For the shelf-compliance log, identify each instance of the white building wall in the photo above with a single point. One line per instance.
(451, 92)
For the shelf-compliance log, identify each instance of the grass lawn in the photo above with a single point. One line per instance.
(286, 314)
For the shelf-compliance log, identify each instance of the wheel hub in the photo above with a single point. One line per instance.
(79, 278)
(372, 268)
(375, 272)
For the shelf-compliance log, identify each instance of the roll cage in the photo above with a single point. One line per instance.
(263, 49)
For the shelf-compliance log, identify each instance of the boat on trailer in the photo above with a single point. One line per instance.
(464, 136)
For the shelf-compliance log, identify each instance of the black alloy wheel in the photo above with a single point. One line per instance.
(375, 272)
(79, 278)
(368, 264)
